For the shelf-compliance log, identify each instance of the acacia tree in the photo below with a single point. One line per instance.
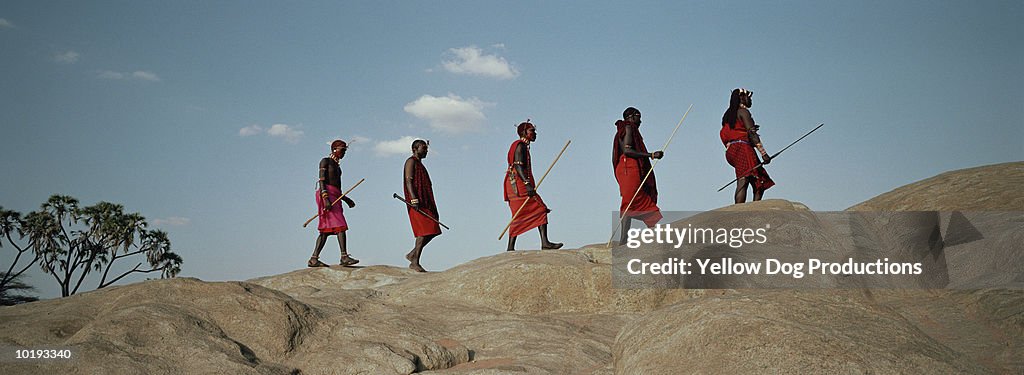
(72, 242)
(11, 224)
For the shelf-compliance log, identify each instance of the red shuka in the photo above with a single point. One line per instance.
(422, 225)
(333, 220)
(535, 213)
(629, 172)
(741, 156)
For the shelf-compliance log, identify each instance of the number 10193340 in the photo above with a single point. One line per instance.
(42, 354)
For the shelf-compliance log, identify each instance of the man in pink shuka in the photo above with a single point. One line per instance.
(332, 217)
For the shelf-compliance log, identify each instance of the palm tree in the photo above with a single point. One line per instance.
(12, 292)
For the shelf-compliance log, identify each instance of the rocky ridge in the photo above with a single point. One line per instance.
(541, 312)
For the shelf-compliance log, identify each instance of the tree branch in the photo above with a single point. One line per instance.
(11, 268)
(85, 272)
(11, 241)
(29, 265)
(74, 266)
(8, 277)
(110, 264)
(129, 254)
(107, 270)
(133, 270)
(68, 268)
(63, 288)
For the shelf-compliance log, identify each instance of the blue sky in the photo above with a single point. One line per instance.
(209, 118)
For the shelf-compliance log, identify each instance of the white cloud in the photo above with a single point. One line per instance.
(137, 75)
(145, 76)
(69, 57)
(288, 132)
(250, 130)
(5, 24)
(450, 114)
(472, 60)
(171, 221)
(400, 146)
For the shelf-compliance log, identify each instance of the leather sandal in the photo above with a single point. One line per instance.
(553, 246)
(348, 261)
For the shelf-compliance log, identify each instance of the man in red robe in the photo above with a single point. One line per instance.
(632, 162)
(422, 208)
(520, 191)
(739, 135)
(332, 216)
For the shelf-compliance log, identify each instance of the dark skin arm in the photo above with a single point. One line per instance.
(748, 122)
(628, 150)
(323, 183)
(520, 168)
(413, 201)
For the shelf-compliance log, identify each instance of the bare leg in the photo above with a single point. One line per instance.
(343, 245)
(511, 243)
(544, 243)
(741, 190)
(758, 193)
(414, 255)
(625, 224)
(320, 241)
(314, 260)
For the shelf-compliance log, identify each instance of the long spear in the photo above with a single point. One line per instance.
(335, 201)
(395, 195)
(654, 164)
(747, 173)
(534, 189)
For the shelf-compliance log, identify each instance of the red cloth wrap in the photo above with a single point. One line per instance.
(422, 225)
(644, 207)
(651, 186)
(629, 172)
(535, 213)
(741, 155)
(333, 220)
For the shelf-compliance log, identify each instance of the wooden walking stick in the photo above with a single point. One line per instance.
(772, 157)
(534, 189)
(654, 164)
(335, 201)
